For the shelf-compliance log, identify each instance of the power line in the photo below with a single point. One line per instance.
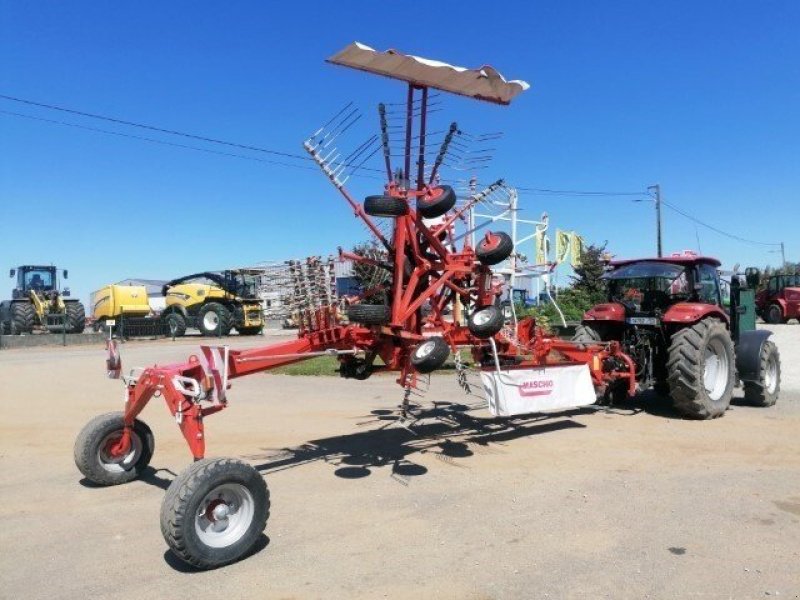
(154, 128)
(551, 192)
(716, 229)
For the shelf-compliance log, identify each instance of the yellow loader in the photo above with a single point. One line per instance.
(37, 302)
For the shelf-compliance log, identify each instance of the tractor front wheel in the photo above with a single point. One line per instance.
(97, 457)
(23, 318)
(76, 317)
(214, 512)
(701, 369)
(765, 391)
(774, 315)
(175, 324)
(214, 319)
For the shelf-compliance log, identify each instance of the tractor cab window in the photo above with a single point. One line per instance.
(38, 280)
(708, 282)
(772, 286)
(646, 285)
(784, 281)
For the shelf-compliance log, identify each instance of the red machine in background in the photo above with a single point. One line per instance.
(215, 510)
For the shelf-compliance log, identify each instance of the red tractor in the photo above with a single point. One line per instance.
(668, 316)
(779, 301)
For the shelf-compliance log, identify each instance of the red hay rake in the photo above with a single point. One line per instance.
(215, 510)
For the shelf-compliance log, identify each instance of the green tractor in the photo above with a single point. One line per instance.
(38, 303)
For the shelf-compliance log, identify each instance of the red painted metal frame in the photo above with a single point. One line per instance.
(426, 270)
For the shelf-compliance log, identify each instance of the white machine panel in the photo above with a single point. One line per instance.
(525, 391)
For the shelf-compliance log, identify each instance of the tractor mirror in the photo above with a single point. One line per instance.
(66, 274)
(12, 272)
(752, 276)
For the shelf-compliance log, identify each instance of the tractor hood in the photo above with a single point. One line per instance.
(612, 311)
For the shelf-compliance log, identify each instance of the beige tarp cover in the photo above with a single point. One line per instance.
(484, 83)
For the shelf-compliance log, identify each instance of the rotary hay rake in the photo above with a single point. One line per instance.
(215, 510)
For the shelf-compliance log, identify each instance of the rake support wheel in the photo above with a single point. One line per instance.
(430, 355)
(485, 322)
(436, 202)
(385, 206)
(494, 248)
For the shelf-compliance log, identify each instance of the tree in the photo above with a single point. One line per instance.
(588, 276)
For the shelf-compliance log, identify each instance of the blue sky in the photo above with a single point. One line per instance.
(700, 97)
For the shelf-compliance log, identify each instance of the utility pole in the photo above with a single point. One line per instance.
(657, 189)
(783, 259)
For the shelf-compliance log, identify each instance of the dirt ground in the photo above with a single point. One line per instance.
(630, 502)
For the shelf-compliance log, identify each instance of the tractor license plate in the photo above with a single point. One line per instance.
(642, 321)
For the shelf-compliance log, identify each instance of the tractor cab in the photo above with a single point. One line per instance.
(39, 279)
(779, 300)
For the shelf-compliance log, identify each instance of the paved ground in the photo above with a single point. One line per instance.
(629, 503)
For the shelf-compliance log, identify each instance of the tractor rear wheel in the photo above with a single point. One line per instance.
(76, 317)
(385, 206)
(701, 369)
(774, 315)
(430, 355)
(23, 317)
(485, 322)
(214, 512)
(436, 202)
(765, 391)
(494, 248)
(94, 450)
(175, 324)
(214, 319)
(369, 314)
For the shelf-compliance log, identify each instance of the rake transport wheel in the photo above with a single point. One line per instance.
(76, 317)
(485, 322)
(95, 455)
(175, 322)
(214, 512)
(214, 319)
(701, 369)
(23, 317)
(494, 248)
(765, 391)
(369, 314)
(436, 202)
(430, 355)
(385, 206)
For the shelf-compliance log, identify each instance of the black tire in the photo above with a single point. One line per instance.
(437, 202)
(176, 321)
(686, 369)
(92, 450)
(495, 250)
(586, 334)
(249, 330)
(23, 317)
(774, 315)
(183, 512)
(430, 355)
(369, 314)
(76, 317)
(214, 319)
(485, 322)
(765, 392)
(385, 206)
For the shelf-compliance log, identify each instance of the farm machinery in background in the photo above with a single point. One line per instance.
(668, 316)
(215, 510)
(214, 303)
(38, 303)
(779, 300)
